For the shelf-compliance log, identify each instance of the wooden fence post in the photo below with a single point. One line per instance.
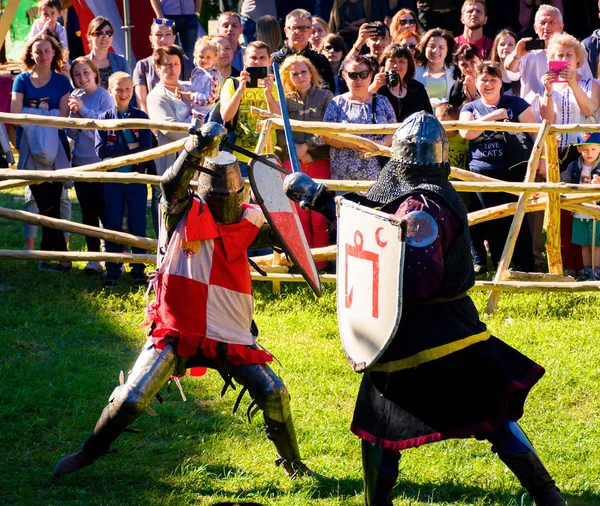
(553, 208)
(509, 247)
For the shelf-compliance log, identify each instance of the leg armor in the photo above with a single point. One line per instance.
(380, 473)
(515, 450)
(269, 393)
(127, 402)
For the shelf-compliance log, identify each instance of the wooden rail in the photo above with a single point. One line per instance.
(555, 195)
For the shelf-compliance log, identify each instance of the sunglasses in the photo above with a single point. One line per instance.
(353, 76)
(166, 22)
(331, 48)
(409, 46)
(405, 22)
(299, 29)
(103, 35)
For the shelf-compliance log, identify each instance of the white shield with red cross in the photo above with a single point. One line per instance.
(370, 262)
(281, 213)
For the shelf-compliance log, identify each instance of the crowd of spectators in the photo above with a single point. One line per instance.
(345, 61)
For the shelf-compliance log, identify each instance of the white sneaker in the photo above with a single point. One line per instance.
(93, 268)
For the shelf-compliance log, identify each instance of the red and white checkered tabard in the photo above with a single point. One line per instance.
(203, 284)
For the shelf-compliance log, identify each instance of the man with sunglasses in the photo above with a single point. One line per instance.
(371, 35)
(474, 17)
(298, 28)
(162, 34)
(186, 14)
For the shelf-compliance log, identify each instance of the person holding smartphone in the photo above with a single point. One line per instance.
(529, 57)
(566, 98)
(253, 88)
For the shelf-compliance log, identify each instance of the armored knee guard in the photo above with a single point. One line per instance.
(516, 451)
(127, 402)
(270, 395)
(380, 473)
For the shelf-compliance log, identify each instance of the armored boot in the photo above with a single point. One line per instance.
(516, 451)
(270, 395)
(380, 473)
(127, 402)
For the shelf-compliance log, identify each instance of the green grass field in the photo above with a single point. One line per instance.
(64, 340)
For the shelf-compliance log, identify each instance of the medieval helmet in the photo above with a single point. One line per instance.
(419, 160)
(420, 140)
(221, 186)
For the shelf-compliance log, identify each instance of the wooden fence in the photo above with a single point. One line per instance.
(550, 196)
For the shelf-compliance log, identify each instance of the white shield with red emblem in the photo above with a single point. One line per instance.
(281, 213)
(370, 263)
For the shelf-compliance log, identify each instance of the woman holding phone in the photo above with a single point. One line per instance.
(568, 98)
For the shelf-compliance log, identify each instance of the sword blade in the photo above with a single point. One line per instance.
(287, 127)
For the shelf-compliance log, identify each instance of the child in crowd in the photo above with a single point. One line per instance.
(88, 100)
(50, 11)
(202, 92)
(113, 143)
(586, 230)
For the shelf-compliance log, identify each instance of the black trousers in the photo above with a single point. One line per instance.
(47, 198)
(91, 200)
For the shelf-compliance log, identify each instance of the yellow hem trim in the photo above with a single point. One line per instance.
(429, 355)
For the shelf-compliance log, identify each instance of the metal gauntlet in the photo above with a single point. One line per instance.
(310, 195)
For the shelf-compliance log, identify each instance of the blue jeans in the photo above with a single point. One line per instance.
(249, 27)
(188, 31)
(116, 196)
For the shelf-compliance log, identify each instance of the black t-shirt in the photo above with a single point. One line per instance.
(416, 100)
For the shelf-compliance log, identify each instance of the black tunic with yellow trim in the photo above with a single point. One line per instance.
(443, 375)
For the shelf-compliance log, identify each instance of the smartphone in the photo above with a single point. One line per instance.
(256, 73)
(531, 45)
(380, 30)
(557, 66)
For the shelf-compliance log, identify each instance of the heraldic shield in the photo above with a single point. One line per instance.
(281, 213)
(370, 264)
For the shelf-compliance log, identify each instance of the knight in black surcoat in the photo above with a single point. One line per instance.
(443, 375)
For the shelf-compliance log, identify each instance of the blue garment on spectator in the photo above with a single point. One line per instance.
(45, 97)
(487, 153)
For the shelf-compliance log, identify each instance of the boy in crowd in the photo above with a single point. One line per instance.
(113, 143)
(586, 230)
(230, 25)
(49, 11)
(238, 97)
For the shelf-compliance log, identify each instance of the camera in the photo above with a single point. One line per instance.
(392, 78)
(256, 73)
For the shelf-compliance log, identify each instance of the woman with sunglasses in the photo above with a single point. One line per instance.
(410, 40)
(404, 20)
(406, 95)
(360, 106)
(334, 49)
(100, 36)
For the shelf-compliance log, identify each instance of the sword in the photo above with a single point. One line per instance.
(287, 127)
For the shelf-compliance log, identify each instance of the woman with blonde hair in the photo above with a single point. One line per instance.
(307, 101)
(568, 98)
(504, 44)
(320, 29)
(404, 20)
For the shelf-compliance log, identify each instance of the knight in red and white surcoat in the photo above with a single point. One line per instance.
(202, 313)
